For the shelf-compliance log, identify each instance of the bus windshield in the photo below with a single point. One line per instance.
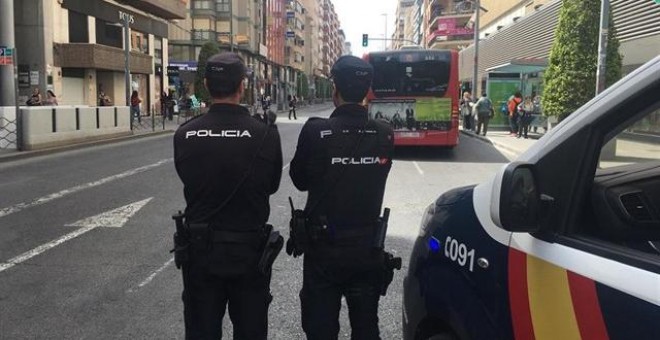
(410, 73)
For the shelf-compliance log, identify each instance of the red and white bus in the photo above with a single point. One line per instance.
(416, 91)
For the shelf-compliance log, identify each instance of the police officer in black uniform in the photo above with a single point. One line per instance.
(343, 163)
(229, 164)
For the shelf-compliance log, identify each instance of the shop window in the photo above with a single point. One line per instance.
(78, 30)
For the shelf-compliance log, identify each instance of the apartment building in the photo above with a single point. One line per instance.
(76, 48)
(236, 26)
(517, 52)
(404, 29)
(332, 46)
(446, 24)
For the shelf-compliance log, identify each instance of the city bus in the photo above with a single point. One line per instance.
(416, 92)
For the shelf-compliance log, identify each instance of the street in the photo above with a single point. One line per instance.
(86, 234)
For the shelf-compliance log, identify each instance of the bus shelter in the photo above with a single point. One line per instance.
(520, 74)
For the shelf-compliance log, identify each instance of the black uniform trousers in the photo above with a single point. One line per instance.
(205, 298)
(320, 297)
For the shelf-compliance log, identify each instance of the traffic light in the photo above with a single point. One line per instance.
(365, 40)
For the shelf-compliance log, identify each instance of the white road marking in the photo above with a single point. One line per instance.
(45, 199)
(115, 218)
(152, 276)
(286, 166)
(421, 172)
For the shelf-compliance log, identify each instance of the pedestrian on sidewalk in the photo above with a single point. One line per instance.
(135, 105)
(51, 99)
(35, 98)
(513, 112)
(525, 110)
(465, 106)
(292, 106)
(484, 111)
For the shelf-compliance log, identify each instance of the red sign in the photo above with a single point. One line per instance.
(449, 27)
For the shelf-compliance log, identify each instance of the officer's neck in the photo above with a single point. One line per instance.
(227, 100)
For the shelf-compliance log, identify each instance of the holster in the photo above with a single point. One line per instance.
(181, 241)
(390, 263)
(272, 248)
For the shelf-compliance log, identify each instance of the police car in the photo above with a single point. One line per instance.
(563, 243)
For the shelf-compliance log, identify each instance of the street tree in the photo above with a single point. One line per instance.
(303, 86)
(208, 49)
(570, 79)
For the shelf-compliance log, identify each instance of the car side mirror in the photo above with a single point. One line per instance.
(519, 199)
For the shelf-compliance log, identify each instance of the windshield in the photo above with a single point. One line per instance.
(410, 73)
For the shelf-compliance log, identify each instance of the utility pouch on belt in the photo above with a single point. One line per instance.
(298, 232)
(272, 248)
(181, 241)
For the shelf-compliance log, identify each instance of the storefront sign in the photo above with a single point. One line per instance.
(6, 55)
(111, 13)
(290, 15)
(290, 34)
(34, 77)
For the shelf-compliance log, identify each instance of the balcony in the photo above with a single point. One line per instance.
(166, 9)
(78, 55)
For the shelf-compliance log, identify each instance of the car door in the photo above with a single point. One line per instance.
(594, 271)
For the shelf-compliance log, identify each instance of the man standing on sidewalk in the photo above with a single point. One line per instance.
(484, 110)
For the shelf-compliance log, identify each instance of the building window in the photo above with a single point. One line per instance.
(158, 51)
(202, 4)
(179, 52)
(109, 34)
(139, 42)
(222, 5)
(78, 30)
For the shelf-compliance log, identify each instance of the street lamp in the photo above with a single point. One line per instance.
(127, 65)
(125, 22)
(385, 40)
(475, 70)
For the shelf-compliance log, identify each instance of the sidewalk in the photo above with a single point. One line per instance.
(504, 140)
(145, 131)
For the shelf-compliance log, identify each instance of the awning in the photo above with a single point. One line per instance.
(521, 65)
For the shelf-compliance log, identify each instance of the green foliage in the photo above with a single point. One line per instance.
(208, 49)
(570, 80)
(303, 86)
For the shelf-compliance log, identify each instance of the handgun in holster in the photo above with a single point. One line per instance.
(298, 238)
(390, 262)
(272, 247)
(181, 241)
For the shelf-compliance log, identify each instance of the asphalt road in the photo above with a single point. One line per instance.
(66, 276)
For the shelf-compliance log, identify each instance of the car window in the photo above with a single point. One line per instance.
(623, 205)
(638, 143)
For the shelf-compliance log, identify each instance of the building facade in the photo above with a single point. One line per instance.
(502, 53)
(76, 48)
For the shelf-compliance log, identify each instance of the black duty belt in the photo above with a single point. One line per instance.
(225, 236)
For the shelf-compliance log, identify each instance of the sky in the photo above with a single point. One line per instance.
(358, 17)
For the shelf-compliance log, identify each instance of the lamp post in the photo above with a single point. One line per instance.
(602, 45)
(475, 70)
(127, 54)
(385, 41)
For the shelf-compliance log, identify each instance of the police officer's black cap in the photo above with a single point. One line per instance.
(352, 76)
(227, 65)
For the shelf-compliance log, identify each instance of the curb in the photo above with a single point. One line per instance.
(30, 154)
(489, 141)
